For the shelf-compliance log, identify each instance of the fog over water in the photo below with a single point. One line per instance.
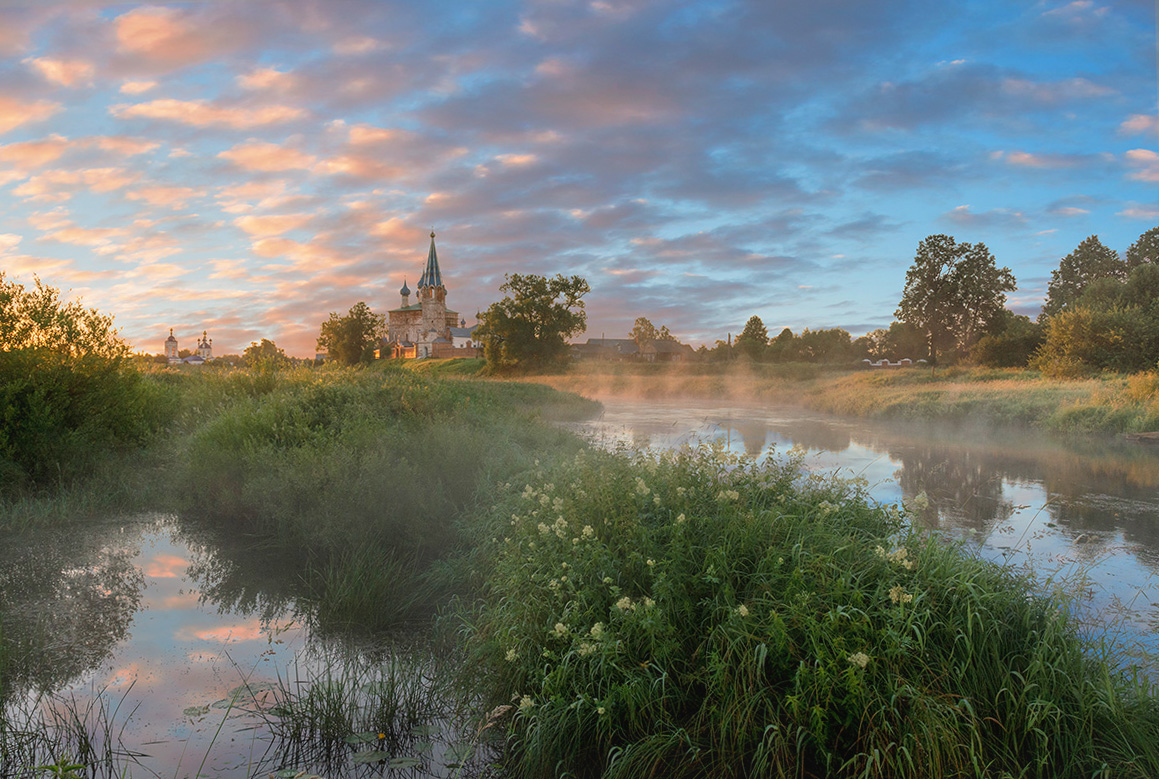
(1077, 513)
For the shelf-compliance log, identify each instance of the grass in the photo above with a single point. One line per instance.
(701, 615)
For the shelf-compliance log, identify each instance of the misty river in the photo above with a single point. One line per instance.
(164, 624)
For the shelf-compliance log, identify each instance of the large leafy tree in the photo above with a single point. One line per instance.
(754, 339)
(1089, 262)
(37, 318)
(351, 339)
(1144, 251)
(643, 331)
(528, 329)
(265, 354)
(953, 293)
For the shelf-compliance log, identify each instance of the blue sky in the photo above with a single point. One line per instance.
(246, 167)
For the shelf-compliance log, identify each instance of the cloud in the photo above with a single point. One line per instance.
(166, 38)
(1139, 124)
(1141, 211)
(270, 79)
(202, 113)
(81, 236)
(137, 87)
(272, 225)
(33, 154)
(126, 145)
(1049, 161)
(996, 218)
(168, 197)
(15, 112)
(66, 73)
(263, 156)
(1145, 162)
(61, 185)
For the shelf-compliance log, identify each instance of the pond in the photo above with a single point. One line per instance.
(164, 652)
(1081, 515)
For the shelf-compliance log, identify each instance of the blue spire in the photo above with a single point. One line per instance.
(431, 276)
(405, 289)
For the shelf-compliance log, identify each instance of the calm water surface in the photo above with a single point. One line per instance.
(165, 625)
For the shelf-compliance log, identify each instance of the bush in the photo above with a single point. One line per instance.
(59, 416)
(699, 616)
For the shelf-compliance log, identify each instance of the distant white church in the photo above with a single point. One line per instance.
(202, 355)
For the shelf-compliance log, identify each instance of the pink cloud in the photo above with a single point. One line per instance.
(33, 154)
(272, 225)
(1139, 124)
(81, 236)
(169, 38)
(15, 112)
(126, 145)
(60, 185)
(137, 87)
(169, 197)
(259, 155)
(270, 79)
(67, 73)
(201, 113)
(1146, 164)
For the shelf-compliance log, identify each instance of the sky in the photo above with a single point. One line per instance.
(247, 167)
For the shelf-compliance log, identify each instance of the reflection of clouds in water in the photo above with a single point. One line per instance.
(224, 634)
(164, 566)
(186, 600)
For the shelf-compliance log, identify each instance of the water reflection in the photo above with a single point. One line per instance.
(1062, 509)
(66, 601)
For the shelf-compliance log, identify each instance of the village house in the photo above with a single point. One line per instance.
(427, 328)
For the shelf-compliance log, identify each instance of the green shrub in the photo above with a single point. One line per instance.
(59, 416)
(696, 615)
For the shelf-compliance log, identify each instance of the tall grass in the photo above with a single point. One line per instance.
(703, 615)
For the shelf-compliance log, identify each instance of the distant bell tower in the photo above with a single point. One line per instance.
(171, 346)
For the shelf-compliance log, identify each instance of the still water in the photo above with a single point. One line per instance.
(184, 637)
(1080, 514)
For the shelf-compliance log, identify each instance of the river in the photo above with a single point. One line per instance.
(177, 641)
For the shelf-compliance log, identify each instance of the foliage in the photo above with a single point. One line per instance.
(754, 339)
(1012, 346)
(351, 339)
(696, 615)
(643, 331)
(1090, 261)
(362, 474)
(1112, 326)
(900, 340)
(527, 329)
(953, 293)
(38, 319)
(1144, 251)
(267, 353)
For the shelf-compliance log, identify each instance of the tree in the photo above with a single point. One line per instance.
(1012, 345)
(953, 293)
(265, 353)
(754, 339)
(528, 329)
(37, 319)
(351, 339)
(643, 331)
(1144, 251)
(1090, 261)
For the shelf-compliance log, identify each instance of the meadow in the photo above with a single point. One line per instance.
(606, 613)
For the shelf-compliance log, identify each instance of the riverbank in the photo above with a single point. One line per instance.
(1110, 404)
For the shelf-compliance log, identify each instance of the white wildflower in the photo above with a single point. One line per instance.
(625, 604)
(597, 630)
(588, 531)
(560, 630)
(526, 703)
(742, 610)
(512, 655)
(859, 659)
